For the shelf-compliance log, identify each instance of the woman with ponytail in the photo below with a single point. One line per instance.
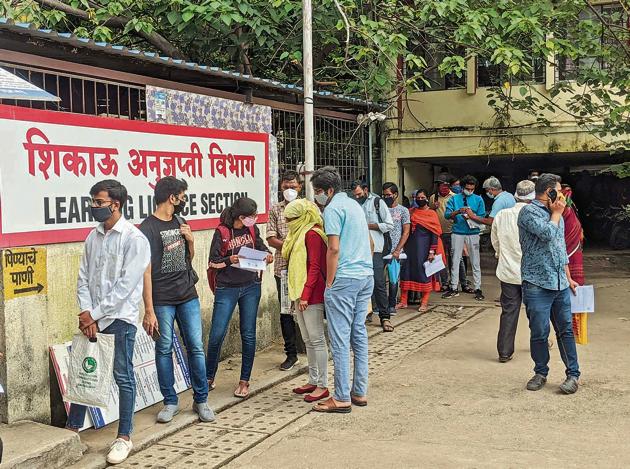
(305, 249)
(235, 286)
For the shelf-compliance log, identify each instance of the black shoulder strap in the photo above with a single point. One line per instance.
(377, 207)
(179, 219)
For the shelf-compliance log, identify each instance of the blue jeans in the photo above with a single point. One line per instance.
(124, 341)
(346, 309)
(225, 300)
(543, 305)
(188, 317)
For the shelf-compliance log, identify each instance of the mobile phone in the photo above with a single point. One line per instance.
(553, 195)
(156, 335)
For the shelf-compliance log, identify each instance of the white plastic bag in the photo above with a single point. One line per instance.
(91, 370)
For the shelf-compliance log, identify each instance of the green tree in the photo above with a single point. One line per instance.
(378, 49)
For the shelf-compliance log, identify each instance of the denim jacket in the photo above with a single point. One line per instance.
(544, 250)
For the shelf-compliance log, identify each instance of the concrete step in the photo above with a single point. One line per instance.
(31, 445)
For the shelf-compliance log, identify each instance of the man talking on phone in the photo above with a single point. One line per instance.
(547, 283)
(170, 295)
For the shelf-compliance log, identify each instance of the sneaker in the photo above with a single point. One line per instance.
(505, 359)
(479, 296)
(468, 290)
(289, 363)
(536, 383)
(119, 451)
(204, 412)
(450, 294)
(167, 413)
(570, 385)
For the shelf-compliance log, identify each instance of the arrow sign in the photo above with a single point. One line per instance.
(38, 288)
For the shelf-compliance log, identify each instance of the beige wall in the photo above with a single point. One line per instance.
(454, 123)
(29, 325)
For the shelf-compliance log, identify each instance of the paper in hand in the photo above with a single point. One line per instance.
(432, 268)
(252, 260)
(584, 300)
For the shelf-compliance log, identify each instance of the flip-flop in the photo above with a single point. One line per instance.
(244, 395)
(330, 407)
(211, 385)
(423, 309)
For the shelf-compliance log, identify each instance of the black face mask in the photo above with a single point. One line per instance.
(389, 201)
(361, 199)
(101, 214)
(180, 207)
(422, 202)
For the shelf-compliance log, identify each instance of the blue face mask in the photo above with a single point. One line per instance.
(456, 189)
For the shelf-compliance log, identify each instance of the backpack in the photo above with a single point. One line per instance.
(387, 238)
(226, 237)
(193, 277)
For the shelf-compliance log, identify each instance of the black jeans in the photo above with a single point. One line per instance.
(511, 298)
(444, 275)
(287, 325)
(379, 295)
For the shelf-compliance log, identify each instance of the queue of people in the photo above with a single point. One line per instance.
(331, 259)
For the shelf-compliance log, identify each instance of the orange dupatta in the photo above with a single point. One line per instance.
(428, 219)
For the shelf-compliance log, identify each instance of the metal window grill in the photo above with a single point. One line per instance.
(338, 142)
(81, 94)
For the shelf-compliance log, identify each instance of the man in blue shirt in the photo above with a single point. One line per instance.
(501, 200)
(349, 285)
(547, 282)
(461, 208)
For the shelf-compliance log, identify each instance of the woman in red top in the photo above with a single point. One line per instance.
(305, 249)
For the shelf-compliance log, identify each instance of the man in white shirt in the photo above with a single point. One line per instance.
(380, 224)
(505, 240)
(109, 290)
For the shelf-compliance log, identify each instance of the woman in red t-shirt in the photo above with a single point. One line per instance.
(305, 249)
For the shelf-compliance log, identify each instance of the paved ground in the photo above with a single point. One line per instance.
(438, 398)
(451, 404)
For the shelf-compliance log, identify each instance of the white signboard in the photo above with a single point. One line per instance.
(50, 160)
(14, 87)
(147, 386)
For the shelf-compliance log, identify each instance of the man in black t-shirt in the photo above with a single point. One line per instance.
(170, 295)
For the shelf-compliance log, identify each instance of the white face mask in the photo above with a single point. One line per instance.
(321, 199)
(468, 193)
(290, 195)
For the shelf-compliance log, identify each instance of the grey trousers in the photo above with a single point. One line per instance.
(511, 298)
(311, 323)
(472, 244)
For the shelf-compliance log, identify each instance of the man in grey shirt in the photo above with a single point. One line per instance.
(380, 223)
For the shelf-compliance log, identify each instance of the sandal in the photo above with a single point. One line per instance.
(242, 395)
(211, 385)
(306, 389)
(330, 407)
(402, 306)
(358, 401)
(387, 326)
(423, 308)
(313, 398)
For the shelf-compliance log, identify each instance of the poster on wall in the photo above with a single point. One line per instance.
(147, 386)
(50, 160)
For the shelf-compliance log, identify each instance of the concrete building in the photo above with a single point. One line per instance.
(450, 127)
(98, 80)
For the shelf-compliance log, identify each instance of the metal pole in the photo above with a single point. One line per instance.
(307, 57)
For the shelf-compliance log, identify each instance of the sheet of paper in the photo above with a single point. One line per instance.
(584, 300)
(432, 268)
(403, 256)
(254, 254)
(251, 265)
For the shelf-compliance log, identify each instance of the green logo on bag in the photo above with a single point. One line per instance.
(89, 365)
